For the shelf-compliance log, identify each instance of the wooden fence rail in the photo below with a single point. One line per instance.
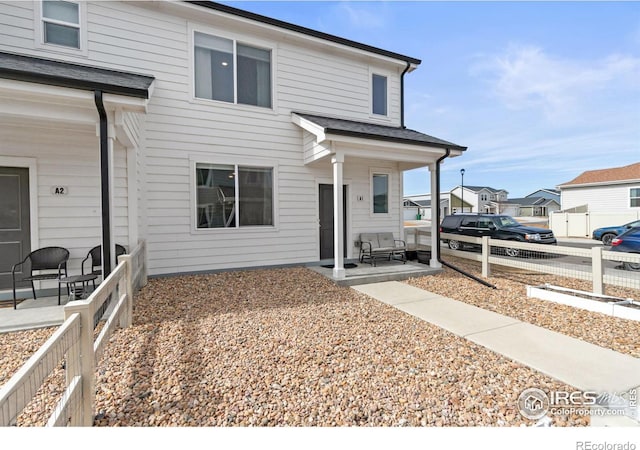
(73, 345)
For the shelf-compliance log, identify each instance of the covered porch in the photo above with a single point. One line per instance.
(71, 137)
(337, 142)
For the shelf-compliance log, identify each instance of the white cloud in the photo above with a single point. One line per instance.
(526, 77)
(367, 17)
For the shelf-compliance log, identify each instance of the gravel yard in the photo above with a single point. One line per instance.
(289, 348)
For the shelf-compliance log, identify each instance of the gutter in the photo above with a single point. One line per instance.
(104, 185)
(406, 69)
(437, 249)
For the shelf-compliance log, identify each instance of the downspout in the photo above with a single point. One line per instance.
(104, 185)
(436, 200)
(406, 69)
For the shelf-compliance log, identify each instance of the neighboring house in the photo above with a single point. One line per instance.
(550, 194)
(482, 199)
(614, 190)
(598, 198)
(213, 133)
(530, 207)
(424, 202)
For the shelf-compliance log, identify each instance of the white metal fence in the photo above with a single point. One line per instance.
(73, 347)
(601, 267)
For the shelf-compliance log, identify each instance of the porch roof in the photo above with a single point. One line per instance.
(63, 74)
(343, 127)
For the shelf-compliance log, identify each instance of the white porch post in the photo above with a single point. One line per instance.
(435, 208)
(112, 137)
(338, 220)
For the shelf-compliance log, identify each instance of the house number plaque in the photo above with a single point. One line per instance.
(59, 190)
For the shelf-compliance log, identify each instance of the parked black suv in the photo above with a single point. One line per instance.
(496, 227)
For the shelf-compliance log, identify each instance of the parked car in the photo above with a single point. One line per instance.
(628, 242)
(606, 234)
(496, 227)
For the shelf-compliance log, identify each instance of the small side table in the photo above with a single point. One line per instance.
(75, 291)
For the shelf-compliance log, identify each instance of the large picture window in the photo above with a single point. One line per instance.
(229, 71)
(61, 23)
(634, 197)
(380, 193)
(231, 196)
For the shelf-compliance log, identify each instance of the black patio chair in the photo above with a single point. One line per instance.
(45, 260)
(95, 255)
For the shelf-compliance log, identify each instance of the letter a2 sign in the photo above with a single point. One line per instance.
(59, 190)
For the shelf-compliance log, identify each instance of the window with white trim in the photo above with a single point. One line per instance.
(380, 187)
(379, 94)
(232, 196)
(61, 23)
(229, 71)
(634, 197)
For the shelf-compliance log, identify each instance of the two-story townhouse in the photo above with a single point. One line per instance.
(215, 134)
(482, 199)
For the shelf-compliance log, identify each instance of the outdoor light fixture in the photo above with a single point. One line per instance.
(462, 196)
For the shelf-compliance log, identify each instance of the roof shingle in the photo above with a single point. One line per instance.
(630, 172)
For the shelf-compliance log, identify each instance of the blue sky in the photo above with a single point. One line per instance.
(538, 91)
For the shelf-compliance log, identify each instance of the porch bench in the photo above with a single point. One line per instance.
(381, 245)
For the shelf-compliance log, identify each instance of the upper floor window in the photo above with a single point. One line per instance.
(483, 197)
(379, 94)
(61, 23)
(229, 71)
(634, 198)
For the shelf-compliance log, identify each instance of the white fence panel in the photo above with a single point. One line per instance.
(583, 224)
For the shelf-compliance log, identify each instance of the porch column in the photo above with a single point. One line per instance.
(435, 213)
(338, 220)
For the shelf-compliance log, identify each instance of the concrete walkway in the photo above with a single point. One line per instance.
(577, 363)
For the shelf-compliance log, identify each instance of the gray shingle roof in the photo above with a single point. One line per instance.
(367, 130)
(479, 188)
(76, 76)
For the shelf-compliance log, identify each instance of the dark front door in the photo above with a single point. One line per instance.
(326, 220)
(15, 233)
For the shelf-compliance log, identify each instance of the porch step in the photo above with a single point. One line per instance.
(384, 271)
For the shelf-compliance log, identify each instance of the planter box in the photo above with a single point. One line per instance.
(616, 307)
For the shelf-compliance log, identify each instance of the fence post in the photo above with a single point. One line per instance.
(598, 270)
(128, 316)
(486, 250)
(145, 262)
(87, 367)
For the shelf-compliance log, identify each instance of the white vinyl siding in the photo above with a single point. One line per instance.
(70, 159)
(606, 199)
(179, 130)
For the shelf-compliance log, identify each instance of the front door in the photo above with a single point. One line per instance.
(15, 232)
(326, 220)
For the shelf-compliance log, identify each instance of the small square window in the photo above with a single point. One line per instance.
(634, 198)
(379, 97)
(61, 23)
(380, 193)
